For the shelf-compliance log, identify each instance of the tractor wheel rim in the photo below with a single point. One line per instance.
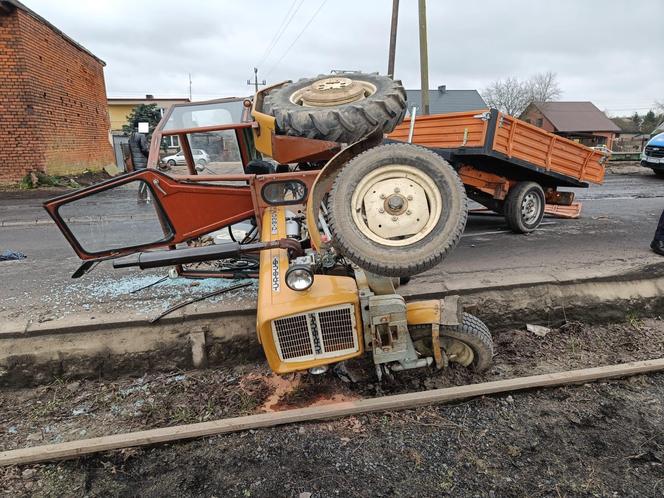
(530, 208)
(333, 91)
(459, 352)
(396, 205)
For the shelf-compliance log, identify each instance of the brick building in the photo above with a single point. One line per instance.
(53, 114)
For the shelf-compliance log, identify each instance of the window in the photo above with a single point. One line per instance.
(202, 115)
(219, 149)
(172, 141)
(539, 122)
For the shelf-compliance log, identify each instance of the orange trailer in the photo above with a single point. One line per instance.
(508, 165)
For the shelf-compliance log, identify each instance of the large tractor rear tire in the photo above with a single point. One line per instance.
(341, 108)
(397, 210)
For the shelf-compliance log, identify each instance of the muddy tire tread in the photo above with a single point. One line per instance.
(346, 123)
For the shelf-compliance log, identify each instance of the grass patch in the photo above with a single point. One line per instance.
(36, 179)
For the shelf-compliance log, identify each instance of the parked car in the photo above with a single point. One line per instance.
(653, 155)
(200, 157)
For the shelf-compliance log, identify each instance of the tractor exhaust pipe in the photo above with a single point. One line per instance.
(156, 259)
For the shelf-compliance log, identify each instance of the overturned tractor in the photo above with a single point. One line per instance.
(337, 218)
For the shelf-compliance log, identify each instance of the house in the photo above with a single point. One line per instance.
(53, 115)
(579, 121)
(442, 100)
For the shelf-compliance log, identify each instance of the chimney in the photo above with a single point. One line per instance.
(149, 97)
(442, 88)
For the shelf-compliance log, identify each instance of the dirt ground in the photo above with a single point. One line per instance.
(603, 439)
(58, 184)
(627, 168)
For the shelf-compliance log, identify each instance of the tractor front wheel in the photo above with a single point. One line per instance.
(397, 210)
(469, 344)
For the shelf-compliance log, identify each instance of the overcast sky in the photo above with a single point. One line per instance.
(606, 51)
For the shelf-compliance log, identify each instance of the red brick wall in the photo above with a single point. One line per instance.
(16, 131)
(532, 114)
(56, 116)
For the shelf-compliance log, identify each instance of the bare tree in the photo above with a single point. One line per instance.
(543, 87)
(660, 108)
(512, 96)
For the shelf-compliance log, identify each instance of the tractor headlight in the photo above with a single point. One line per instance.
(299, 277)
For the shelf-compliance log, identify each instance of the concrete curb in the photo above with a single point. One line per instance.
(33, 353)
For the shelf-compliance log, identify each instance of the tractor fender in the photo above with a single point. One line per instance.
(325, 180)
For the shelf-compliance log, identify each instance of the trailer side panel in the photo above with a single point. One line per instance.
(521, 140)
(515, 143)
(447, 131)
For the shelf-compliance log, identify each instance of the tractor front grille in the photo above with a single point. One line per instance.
(323, 333)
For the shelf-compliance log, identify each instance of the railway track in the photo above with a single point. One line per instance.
(74, 449)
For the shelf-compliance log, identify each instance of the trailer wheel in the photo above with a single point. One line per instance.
(469, 344)
(397, 210)
(524, 207)
(342, 108)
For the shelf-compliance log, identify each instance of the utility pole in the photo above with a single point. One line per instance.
(255, 82)
(393, 38)
(189, 87)
(424, 58)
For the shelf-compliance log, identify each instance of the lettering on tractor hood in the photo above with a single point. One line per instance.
(276, 277)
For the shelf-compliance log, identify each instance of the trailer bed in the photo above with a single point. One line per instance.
(495, 142)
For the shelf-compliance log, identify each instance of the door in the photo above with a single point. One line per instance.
(145, 209)
(121, 150)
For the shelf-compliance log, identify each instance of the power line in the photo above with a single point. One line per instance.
(296, 38)
(282, 29)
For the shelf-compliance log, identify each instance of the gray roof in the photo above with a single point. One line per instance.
(444, 101)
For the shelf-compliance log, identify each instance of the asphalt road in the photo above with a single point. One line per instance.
(612, 236)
